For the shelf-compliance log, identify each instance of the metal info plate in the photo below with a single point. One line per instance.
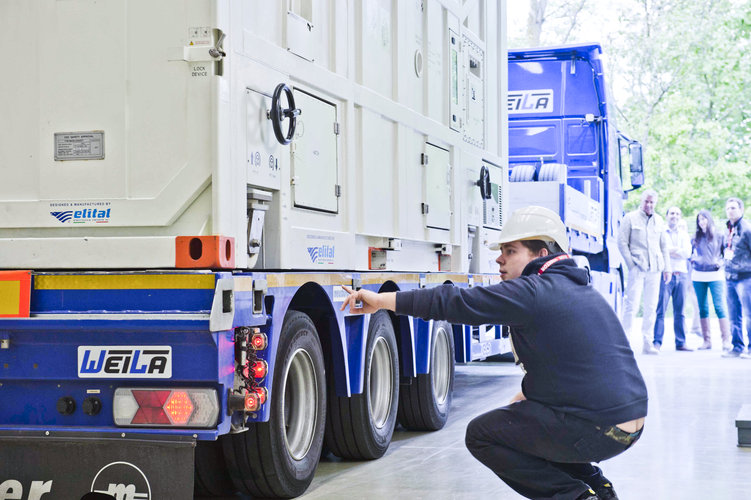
(79, 146)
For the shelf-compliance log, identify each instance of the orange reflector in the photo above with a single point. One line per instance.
(15, 294)
(179, 407)
(202, 252)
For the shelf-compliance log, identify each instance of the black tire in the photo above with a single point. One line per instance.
(278, 458)
(360, 427)
(211, 476)
(424, 404)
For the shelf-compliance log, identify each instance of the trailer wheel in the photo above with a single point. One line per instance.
(425, 403)
(361, 426)
(277, 459)
(211, 477)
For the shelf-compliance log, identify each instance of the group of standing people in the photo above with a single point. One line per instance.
(664, 262)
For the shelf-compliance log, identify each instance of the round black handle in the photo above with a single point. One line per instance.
(66, 405)
(484, 183)
(92, 406)
(279, 114)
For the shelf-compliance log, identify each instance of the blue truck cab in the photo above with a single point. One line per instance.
(566, 154)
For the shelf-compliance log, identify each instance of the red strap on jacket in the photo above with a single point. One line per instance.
(549, 263)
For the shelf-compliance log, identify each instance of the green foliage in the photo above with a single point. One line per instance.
(689, 66)
(681, 72)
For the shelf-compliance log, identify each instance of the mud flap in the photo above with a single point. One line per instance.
(144, 467)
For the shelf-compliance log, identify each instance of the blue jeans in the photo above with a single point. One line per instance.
(739, 305)
(717, 289)
(675, 289)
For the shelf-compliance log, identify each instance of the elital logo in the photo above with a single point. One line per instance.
(321, 255)
(122, 481)
(125, 361)
(530, 101)
(82, 216)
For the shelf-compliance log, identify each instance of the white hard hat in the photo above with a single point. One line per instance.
(533, 223)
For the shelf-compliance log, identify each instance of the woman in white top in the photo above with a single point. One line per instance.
(708, 277)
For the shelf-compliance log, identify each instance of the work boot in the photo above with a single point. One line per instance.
(706, 334)
(588, 495)
(606, 492)
(649, 348)
(725, 333)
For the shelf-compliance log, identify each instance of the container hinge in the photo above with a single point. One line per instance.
(336, 128)
(423, 159)
(338, 191)
(425, 208)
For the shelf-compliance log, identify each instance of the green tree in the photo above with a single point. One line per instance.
(681, 71)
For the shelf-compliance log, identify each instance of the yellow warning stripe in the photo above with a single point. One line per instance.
(444, 277)
(296, 280)
(378, 278)
(124, 281)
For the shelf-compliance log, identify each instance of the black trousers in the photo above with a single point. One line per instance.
(542, 453)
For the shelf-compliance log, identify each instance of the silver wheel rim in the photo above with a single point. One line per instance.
(380, 383)
(299, 398)
(440, 374)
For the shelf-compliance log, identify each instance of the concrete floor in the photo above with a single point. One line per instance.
(688, 449)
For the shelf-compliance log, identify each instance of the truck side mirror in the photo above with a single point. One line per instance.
(637, 167)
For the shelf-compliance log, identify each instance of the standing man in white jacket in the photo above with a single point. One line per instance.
(643, 244)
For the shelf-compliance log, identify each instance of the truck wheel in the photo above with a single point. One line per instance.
(361, 426)
(424, 404)
(277, 459)
(211, 477)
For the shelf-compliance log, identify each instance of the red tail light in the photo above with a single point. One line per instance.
(252, 402)
(259, 368)
(259, 341)
(262, 393)
(165, 408)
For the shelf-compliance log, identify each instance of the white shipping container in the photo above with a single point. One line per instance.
(139, 134)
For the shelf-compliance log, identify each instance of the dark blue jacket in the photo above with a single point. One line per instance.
(567, 338)
(739, 267)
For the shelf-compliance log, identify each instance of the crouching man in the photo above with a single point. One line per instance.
(582, 397)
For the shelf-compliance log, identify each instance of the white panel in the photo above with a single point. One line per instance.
(438, 187)
(456, 82)
(475, 14)
(376, 181)
(264, 19)
(303, 30)
(262, 148)
(474, 73)
(493, 207)
(376, 61)
(153, 111)
(411, 224)
(313, 154)
(338, 43)
(472, 202)
(412, 63)
(435, 62)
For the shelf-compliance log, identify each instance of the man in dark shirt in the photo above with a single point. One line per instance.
(582, 398)
(737, 255)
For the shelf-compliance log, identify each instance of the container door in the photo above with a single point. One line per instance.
(313, 154)
(437, 207)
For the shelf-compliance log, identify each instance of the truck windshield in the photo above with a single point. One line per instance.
(533, 141)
